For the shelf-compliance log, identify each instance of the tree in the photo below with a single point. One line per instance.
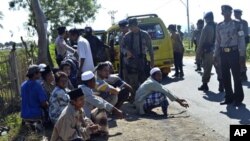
(1, 17)
(57, 12)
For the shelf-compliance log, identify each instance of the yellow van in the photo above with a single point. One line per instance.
(161, 41)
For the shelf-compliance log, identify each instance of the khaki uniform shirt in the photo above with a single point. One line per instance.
(229, 34)
(62, 47)
(207, 37)
(71, 125)
(196, 36)
(135, 50)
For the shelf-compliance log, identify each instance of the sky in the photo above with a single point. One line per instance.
(170, 11)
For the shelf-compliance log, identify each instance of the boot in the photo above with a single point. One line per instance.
(198, 67)
(221, 87)
(175, 75)
(243, 76)
(203, 87)
(181, 74)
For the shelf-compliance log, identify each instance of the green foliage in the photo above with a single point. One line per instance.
(248, 52)
(1, 17)
(52, 48)
(60, 12)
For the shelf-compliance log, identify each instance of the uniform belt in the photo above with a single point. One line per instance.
(229, 49)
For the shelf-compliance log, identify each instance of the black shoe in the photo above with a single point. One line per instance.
(175, 75)
(203, 87)
(198, 69)
(237, 104)
(226, 102)
(221, 88)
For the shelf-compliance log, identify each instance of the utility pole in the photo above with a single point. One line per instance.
(112, 14)
(189, 45)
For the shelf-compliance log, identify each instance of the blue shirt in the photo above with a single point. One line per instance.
(33, 95)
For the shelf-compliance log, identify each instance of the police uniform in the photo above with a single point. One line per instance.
(244, 25)
(122, 67)
(230, 45)
(131, 42)
(206, 48)
(61, 45)
(195, 39)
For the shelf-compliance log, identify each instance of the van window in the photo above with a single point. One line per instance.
(154, 30)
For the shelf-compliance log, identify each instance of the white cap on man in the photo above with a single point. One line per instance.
(153, 70)
(87, 75)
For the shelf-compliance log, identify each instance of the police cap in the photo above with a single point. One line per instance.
(209, 15)
(132, 22)
(237, 11)
(226, 8)
(123, 23)
(61, 30)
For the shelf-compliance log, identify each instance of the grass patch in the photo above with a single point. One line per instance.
(14, 122)
(19, 131)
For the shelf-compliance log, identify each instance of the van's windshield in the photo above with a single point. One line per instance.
(153, 29)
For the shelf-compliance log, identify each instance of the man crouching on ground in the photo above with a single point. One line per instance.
(152, 94)
(72, 124)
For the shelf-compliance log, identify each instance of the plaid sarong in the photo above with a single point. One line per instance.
(154, 100)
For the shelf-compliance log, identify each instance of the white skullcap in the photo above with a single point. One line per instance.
(153, 70)
(42, 66)
(87, 75)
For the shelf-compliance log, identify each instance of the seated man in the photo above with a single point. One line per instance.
(48, 84)
(72, 124)
(59, 98)
(48, 80)
(117, 82)
(95, 107)
(66, 68)
(107, 92)
(152, 94)
(33, 96)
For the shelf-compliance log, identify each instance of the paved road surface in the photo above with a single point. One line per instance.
(205, 107)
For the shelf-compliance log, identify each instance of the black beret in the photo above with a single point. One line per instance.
(172, 27)
(74, 94)
(209, 15)
(132, 22)
(237, 11)
(61, 29)
(88, 29)
(74, 31)
(200, 21)
(123, 23)
(226, 8)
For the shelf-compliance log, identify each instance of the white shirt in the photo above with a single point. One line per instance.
(84, 51)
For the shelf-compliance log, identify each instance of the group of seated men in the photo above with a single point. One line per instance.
(79, 113)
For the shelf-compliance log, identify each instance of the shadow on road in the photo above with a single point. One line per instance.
(247, 83)
(214, 97)
(241, 113)
(168, 80)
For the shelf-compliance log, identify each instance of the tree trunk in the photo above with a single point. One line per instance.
(41, 31)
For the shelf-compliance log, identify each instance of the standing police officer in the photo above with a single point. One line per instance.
(61, 46)
(206, 49)
(230, 44)
(244, 24)
(195, 40)
(136, 43)
(123, 25)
